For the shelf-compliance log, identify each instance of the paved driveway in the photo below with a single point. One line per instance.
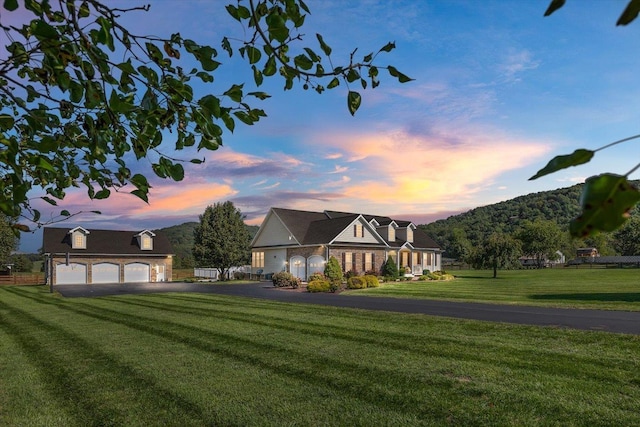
(601, 320)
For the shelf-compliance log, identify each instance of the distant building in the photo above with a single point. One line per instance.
(587, 253)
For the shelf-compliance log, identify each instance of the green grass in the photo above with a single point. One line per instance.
(612, 289)
(190, 359)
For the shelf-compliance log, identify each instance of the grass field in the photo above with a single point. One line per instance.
(190, 359)
(615, 289)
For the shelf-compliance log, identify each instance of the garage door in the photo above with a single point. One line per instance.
(105, 272)
(136, 272)
(72, 274)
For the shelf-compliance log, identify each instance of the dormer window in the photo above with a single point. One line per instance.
(358, 230)
(409, 234)
(78, 238)
(145, 240)
(392, 233)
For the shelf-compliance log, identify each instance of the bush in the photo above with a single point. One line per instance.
(319, 285)
(335, 286)
(372, 281)
(333, 271)
(351, 273)
(425, 272)
(371, 273)
(317, 276)
(239, 275)
(440, 275)
(356, 282)
(284, 279)
(390, 269)
(424, 277)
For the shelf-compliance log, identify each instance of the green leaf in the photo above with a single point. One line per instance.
(257, 75)
(553, 6)
(141, 194)
(176, 171)
(102, 194)
(606, 201)
(325, 47)
(368, 57)
(353, 102)
(49, 200)
(42, 30)
(270, 67)
(388, 47)
(253, 54)
(630, 13)
(259, 95)
(43, 163)
(303, 62)
(395, 73)
(235, 92)
(277, 27)
(578, 157)
(65, 212)
(6, 122)
(333, 83)
(10, 5)
(197, 161)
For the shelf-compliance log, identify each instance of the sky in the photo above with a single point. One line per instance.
(498, 91)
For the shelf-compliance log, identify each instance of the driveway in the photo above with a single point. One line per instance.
(601, 320)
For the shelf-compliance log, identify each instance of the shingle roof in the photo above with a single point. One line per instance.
(323, 227)
(107, 242)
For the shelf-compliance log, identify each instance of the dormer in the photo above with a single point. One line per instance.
(145, 240)
(78, 238)
(406, 233)
(388, 231)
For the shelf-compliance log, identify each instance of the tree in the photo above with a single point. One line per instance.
(221, 240)
(607, 199)
(21, 263)
(498, 251)
(390, 269)
(459, 246)
(627, 239)
(540, 240)
(8, 240)
(82, 98)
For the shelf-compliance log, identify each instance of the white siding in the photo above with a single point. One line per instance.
(273, 233)
(274, 260)
(347, 235)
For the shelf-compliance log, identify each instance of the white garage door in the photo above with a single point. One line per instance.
(72, 274)
(105, 272)
(137, 272)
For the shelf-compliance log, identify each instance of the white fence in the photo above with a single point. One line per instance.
(213, 273)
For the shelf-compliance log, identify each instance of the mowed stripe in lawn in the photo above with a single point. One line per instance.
(201, 359)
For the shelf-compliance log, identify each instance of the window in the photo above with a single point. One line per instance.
(367, 264)
(146, 243)
(409, 234)
(414, 259)
(392, 233)
(257, 259)
(428, 261)
(79, 241)
(404, 259)
(358, 230)
(347, 262)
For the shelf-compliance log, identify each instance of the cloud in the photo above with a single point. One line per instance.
(333, 156)
(233, 164)
(408, 169)
(339, 169)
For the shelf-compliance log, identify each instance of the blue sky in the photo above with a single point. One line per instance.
(498, 91)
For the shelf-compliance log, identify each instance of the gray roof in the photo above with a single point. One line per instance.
(311, 228)
(106, 242)
(622, 259)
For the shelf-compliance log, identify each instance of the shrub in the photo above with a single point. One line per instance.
(284, 279)
(351, 273)
(390, 269)
(319, 285)
(333, 271)
(239, 275)
(371, 273)
(372, 281)
(335, 286)
(425, 272)
(317, 276)
(440, 275)
(424, 277)
(356, 282)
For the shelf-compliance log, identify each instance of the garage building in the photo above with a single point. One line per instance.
(81, 256)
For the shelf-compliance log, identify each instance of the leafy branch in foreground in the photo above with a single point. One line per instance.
(606, 199)
(83, 98)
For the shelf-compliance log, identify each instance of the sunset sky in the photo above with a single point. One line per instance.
(498, 91)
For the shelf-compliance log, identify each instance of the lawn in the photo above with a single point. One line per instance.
(613, 289)
(191, 359)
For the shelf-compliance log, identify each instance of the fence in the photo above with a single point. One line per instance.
(22, 279)
(213, 273)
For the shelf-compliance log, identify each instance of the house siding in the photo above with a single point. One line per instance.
(347, 235)
(273, 233)
(274, 260)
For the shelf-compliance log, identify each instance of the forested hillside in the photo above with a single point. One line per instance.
(181, 238)
(559, 206)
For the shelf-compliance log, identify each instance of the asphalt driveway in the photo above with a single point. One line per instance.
(601, 320)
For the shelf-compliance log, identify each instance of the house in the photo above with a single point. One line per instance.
(587, 252)
(532, 261)
(82, 256)
(301, 242)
